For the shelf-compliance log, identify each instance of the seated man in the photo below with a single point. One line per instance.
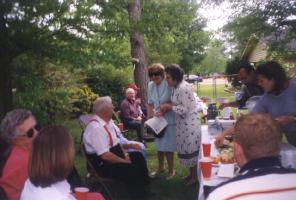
(257, 146)
(130, 113)
(18, 129)
(106, 154)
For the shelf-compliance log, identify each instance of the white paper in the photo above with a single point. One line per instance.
(226, 170)
(157, 124)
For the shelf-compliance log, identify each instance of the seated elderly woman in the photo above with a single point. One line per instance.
(18, 129)
(51, 161)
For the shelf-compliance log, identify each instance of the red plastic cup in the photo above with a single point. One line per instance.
(206, 148)
(81, 193)
(206, 167)
(120, 126)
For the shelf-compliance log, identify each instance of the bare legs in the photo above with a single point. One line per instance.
(160, 156)
(192, 177)
(170, 161)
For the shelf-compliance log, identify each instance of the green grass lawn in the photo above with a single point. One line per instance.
(173, 189)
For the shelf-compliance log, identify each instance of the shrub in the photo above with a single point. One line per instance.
(108, 81)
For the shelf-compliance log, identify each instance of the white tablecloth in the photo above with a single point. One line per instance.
(288, 159)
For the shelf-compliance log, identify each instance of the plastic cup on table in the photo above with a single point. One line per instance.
(206, 167)
(81, 193)
(206, 148)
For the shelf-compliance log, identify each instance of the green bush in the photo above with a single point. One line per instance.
(81, 99)
(46, 105)
(108, 81)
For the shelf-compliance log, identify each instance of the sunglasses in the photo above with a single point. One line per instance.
(30, 132)
(154, 74)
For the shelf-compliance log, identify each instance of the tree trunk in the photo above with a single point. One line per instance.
(5, 87)
(137, 50)
(6, 56)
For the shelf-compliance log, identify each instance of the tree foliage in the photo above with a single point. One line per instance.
(264, 19)
(64, 38)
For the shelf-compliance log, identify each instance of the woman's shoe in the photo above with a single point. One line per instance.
(186, 178)
(170, 176)
(156, 174)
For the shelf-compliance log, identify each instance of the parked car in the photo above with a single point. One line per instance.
(191, 78)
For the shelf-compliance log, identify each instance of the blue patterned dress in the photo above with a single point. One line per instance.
(188, 127)
(159, 94)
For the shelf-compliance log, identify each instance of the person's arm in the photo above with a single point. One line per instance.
(220, 138)
(124, 109)
(111, 157)
(132, 146)
(186, 102)
(149, 111)
(285, 119)
(233, 104)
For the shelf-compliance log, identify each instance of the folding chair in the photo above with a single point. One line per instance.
(94, 178)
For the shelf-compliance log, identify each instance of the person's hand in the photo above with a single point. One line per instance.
(136, 146)
(159, 114)
(127, 158)
(219, 139)
(284, 120)
(165, 107)
(139, 118)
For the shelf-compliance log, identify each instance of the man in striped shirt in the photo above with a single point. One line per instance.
(257, 145)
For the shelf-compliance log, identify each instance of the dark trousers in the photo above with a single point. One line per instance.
(135, 125)
(134, 175)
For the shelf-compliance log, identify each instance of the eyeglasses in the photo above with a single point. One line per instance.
(30, 132)
(154, 74)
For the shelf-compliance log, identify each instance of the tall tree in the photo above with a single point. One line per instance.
(137, 50)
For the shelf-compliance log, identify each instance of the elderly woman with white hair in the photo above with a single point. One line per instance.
(104, 151)
(18, 129)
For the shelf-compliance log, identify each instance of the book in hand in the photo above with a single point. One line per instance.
(157, 125)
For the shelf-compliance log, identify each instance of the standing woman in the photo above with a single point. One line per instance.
(188, 127)
(159, 92)
(279, 98)
(51, 161)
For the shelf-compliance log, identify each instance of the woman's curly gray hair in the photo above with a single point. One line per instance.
(11, 121)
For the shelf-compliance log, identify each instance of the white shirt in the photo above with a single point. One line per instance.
(57, 191)
(270, 186)
(96, 138)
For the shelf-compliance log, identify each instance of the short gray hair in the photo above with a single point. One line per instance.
(128, 90)
(11, 121)
(101, 103)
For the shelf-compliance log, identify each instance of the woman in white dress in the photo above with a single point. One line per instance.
(51, 161)
(188, 127)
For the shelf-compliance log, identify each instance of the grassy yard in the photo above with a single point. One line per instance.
(173, 189)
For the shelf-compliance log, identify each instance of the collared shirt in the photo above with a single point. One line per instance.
(129, 109)
(262, 178)
(15, 172)
(96, 138)
(58, 191)
(249, 90)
